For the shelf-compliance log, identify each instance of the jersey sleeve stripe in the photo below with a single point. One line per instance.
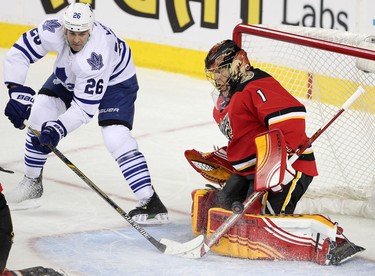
(285, 114)
(30, 48)
(122, 70)
(285, 117)
(85, 101)
(246, 164)
(123, 54)
(26, 53)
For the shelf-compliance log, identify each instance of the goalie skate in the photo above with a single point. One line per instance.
(150, 211)
(341, 251)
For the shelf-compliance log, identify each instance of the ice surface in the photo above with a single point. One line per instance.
(77, 231)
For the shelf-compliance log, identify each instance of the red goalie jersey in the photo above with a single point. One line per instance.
(259, 104)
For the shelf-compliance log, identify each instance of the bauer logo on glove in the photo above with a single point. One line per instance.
(19, 106)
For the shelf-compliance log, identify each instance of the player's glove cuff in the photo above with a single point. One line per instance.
(56, 128)
(51, 134)
(23, 94)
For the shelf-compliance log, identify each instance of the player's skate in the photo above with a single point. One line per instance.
(26, 194)
(150, 211)
(34, 271)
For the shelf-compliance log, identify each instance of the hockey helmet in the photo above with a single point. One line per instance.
(225, 64)
(78, 17)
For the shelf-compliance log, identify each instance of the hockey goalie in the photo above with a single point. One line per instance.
(302, 237)
(265, 155)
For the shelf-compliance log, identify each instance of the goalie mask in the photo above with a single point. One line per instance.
(225, 66)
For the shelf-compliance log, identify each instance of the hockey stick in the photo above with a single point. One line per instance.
(5, 170)
(262, 187)
(165, 246)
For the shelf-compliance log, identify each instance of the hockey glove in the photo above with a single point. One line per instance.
(19, 106)
(51, 134)
(213, 166)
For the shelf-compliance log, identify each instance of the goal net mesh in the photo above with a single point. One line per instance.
(323, 80)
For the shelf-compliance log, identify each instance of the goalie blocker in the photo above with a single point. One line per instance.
(312, 238)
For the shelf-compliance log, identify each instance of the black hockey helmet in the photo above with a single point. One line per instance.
(221, 54)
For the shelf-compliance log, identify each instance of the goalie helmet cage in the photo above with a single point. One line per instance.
(323, 68)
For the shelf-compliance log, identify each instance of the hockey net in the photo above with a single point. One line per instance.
(323, 68)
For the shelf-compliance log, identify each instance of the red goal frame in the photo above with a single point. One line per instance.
(299, 39)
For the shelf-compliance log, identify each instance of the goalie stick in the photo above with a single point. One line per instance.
(260, 187)
(165, 246)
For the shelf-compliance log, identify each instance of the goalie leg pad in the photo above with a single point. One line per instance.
(284, 237)
(202, 201)
(261, 237)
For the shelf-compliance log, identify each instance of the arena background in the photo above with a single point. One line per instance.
(174, 35)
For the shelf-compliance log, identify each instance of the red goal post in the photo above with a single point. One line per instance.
(323, 68)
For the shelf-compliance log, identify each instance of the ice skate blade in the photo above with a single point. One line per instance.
(143, 219)
(25, 205)
(351, 252)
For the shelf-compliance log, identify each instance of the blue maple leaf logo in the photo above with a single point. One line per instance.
(95, 61)
(51, 25)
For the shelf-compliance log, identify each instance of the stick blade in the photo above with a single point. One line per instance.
(271, 158)
(193, 249)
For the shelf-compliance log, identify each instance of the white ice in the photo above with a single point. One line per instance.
(77, 231)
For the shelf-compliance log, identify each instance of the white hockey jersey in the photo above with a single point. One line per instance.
(105, 60)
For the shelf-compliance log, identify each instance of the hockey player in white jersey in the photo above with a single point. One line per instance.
(93, 70)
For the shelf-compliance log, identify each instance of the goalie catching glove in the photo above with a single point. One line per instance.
(213, 166)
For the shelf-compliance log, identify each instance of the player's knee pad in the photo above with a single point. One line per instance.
(118, 140)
